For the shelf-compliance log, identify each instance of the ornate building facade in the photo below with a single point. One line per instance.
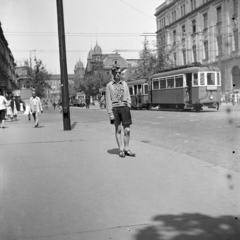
(205, 31)
(96, 56)
(7, 66)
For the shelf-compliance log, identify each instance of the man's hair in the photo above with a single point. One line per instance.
(115, 69)
(1, 92)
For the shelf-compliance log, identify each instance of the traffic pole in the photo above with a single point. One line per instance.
(63, 67)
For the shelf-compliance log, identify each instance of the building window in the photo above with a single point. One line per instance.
(205, 20)
(193, 4)
(184, 56)
(194, 26)
(194, 53)
(174, 16)
(219, 43)
(235, 7)
(174, 37)
(184, 12)
(183, 31)
(219, 14)
(175, 57)
(206, 50)
(235, 34)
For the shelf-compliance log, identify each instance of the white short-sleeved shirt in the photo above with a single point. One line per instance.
(3, 102)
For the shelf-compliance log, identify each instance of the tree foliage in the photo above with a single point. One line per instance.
(39, 76)
(153, 60)
(94, 80)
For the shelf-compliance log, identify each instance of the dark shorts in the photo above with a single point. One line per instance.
(122, 115)
(2, 114)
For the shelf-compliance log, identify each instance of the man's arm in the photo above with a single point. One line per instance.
(108, 102)
(129, 102)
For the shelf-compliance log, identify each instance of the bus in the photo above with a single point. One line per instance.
(189, 88)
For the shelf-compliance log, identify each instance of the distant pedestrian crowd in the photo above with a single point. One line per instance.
(10, 107)
(232, 97)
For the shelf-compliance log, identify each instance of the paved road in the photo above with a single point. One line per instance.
(212, 136)
(72, 185)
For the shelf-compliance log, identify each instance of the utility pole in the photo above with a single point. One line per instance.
(63, 67)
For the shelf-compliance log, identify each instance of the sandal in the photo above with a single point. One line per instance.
(129, 153)
(122, 154)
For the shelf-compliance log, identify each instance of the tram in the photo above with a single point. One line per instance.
(138, 90)
(189, 88)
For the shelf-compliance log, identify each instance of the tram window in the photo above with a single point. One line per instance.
(145, 89)
(170, 83)
(155, 84)
(218, 79)
(210, 78)
(163, 83)
(130, 91)
(139, 89)
(179, 81)
(202, 80)
(195, 79)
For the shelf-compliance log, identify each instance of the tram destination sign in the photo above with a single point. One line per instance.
(211, 88)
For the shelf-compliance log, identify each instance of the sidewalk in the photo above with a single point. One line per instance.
(72, 185)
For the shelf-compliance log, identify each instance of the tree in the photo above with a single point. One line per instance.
(94, 80)
(39, 76)
(147, 61)
(154, 60)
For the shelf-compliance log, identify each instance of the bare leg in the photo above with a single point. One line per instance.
(118, 136)
(2, 123)
(126, 137)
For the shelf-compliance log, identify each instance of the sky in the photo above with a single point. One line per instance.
(31, 29)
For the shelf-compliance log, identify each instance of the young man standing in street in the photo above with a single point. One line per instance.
(3, 103)
(35, 107)
(118, 103)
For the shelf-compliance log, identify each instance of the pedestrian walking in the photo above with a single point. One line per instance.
(35, 108)
(227, 96)
(60, 105)
(8, 109)
(87, 101)
(15, 108)
(3, 103)
(235, 98)
(118, 103)
(102, 102)
(238, 97)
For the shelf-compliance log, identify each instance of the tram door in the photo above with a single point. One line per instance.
(189, 87)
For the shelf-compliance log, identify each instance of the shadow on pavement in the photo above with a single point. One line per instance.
(73, 125)
(191, 227)
(113, 151)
